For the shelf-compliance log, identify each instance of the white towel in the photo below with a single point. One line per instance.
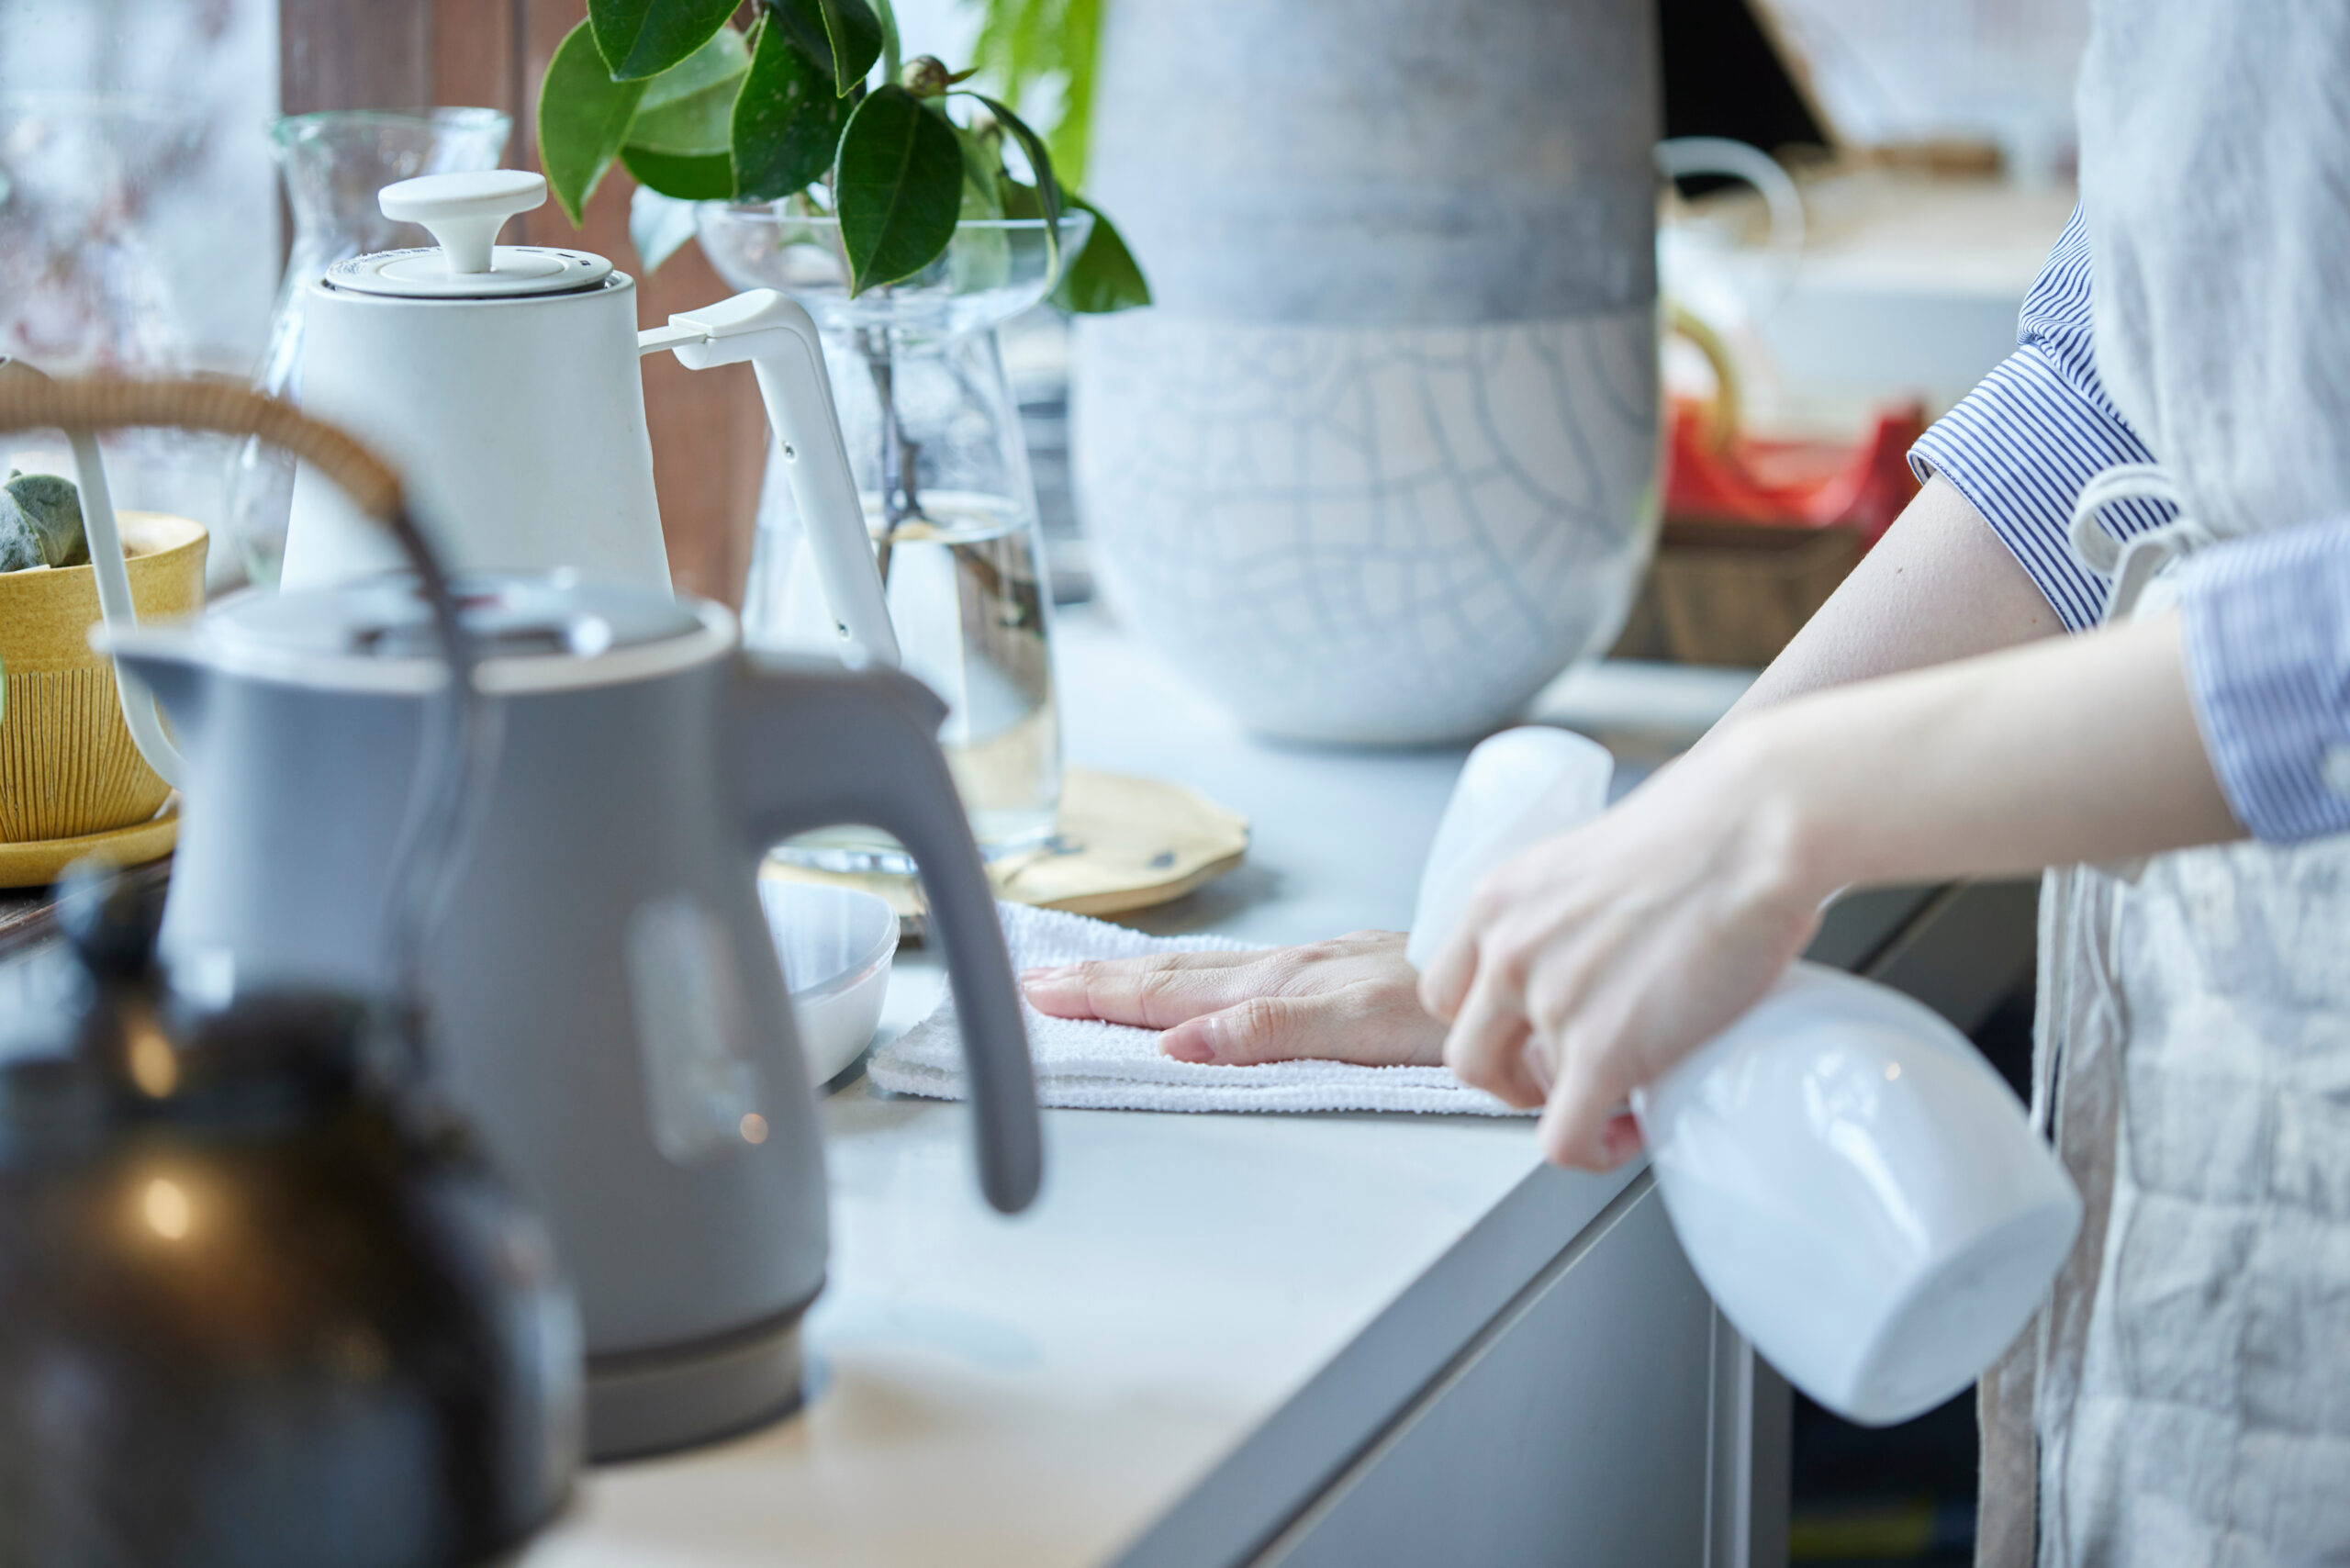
(1090, 1064)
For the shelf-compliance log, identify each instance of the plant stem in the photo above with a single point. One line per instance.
(889, 64)
(901, 497)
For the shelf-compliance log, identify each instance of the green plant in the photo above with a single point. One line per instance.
(1028, 43)
(40, 523)
(794, 111)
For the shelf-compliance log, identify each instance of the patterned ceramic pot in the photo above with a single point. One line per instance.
(68, 765)
(1381, 461)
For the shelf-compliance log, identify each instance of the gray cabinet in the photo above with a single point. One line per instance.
(1575, 1430)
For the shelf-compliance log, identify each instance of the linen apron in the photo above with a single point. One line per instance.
(2183, 1396)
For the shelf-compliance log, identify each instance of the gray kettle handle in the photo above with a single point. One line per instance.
(815, 746)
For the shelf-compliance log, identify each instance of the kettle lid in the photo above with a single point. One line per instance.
(532, 632)
(511, 614)
(464, 212)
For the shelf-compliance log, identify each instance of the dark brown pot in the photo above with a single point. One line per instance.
(252, 1312)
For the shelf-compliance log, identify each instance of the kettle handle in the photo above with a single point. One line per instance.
(778, 336)
(816, 746)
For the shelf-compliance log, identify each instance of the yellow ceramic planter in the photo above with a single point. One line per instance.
(67, 765)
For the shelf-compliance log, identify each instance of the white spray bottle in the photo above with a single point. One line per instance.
(1860, 1191)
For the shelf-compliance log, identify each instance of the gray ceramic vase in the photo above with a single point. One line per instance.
(1381, 461)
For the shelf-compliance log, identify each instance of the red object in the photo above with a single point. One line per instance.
(1790, 483)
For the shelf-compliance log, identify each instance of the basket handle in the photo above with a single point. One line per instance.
(86, 407)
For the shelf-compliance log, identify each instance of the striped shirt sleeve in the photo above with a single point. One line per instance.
(2038, 428)
(2267, 626)
(2266, 619)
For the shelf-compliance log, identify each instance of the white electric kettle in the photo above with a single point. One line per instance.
(502, 381)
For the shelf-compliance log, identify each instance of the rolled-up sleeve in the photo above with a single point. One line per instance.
(2266, 619)
(2267, 627)
(2021, 446)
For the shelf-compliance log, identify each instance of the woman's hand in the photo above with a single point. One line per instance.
(1349, 1000)
(1593, 963)
(1590, 964)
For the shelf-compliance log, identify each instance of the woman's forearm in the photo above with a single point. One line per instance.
(2084, 749)
(1939, 586)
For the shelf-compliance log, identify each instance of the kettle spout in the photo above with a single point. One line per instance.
(166, 661)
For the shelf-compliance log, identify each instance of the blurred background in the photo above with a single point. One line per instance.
(145, 229)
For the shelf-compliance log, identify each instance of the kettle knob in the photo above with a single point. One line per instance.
(464, 211)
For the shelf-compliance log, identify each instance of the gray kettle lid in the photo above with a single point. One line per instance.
(556, 615)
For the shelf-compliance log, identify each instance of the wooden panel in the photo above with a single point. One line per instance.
(476, 57)
(709, 434)
(539, 26)
(355, 54)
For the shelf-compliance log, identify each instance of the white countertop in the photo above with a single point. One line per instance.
(1037, 1391)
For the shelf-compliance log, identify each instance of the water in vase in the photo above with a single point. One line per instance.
(967, 595)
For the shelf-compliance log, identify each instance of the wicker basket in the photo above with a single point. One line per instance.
(1734, 593)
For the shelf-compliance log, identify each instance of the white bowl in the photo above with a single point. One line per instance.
(836, 944)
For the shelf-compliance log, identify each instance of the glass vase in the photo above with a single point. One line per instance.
(334, 163)
(935, 445)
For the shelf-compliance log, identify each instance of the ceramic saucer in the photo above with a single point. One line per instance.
(39, 862)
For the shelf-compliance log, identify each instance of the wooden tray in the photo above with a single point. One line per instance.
(39, 862)
(1124, 844)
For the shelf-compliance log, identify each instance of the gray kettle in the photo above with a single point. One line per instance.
(604, 999)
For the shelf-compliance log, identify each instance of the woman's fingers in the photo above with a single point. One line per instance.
(1261, 1029)
(1348, 999)
(1487, 1046)
(1372, 1025)
(1584, 1123)
(1155, 993)
(1444, 984)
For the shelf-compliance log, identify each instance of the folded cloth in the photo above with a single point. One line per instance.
(1090, 1065)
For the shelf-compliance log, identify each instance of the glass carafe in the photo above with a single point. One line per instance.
(333, 164)
(934, 443)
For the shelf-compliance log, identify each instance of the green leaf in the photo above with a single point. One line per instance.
(725, 57)
(1021, 201)
(842, 34)
(19, 544)
(705, 177)
(1080, 44)
(639, 38)
(1023, 42)
(54, 506)
(899, 187)
(1040, 163)
(980, 258)
(1048, 190)
(787, 119)
(891, 65)
(983, 178)
(688, 110)
(583, 118)
(1104, 277)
